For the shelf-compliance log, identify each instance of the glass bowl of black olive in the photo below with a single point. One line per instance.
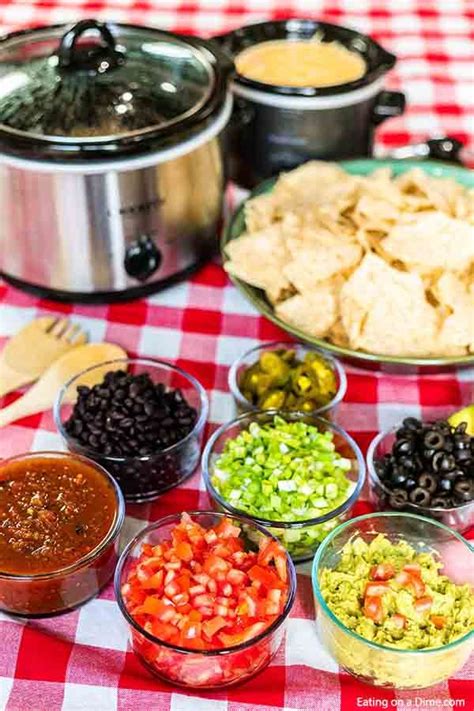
(141, 419)
(425, 468)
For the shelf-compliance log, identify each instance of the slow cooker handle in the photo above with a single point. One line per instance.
(447, 148)
(100, 58)
(387, 105)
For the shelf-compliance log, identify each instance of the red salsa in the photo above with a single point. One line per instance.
(53, 512)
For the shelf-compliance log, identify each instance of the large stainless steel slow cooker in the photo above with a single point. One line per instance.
(276, 128)
(111, 166)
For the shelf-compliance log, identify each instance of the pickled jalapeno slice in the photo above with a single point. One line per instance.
(280, 380)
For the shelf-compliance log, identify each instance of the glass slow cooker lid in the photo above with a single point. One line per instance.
(97, 84)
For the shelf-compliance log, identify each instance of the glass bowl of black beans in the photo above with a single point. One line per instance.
(425, 468)
(141, 419)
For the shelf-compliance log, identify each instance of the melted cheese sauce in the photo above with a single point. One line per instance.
(300, 63)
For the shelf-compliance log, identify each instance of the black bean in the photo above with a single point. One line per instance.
(130, 415)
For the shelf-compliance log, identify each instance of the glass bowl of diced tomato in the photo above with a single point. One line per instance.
(206, 597)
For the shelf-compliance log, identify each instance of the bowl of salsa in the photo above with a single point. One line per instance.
(60, 519)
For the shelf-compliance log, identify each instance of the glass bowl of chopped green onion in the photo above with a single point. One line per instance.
(284, 375)
(297, 474)
(394, 598)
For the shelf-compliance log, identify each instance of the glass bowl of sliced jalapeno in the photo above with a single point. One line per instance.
(284, 375)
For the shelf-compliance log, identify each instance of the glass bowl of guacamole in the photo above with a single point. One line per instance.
(394, 597)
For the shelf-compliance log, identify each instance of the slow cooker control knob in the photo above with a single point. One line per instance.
(142, 258)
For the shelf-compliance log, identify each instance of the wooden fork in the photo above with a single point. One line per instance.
(34, 348)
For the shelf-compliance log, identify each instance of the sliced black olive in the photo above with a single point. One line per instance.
(443, 462)
(381, 468)
(429, 454)
(463, 455)
(404, 446)
(398, 498)
(428, 482)
(445, 484)
(461, 428)
(408, 463)
(420, 496)
(462, 441)
(412, 423)
(439, 502)
(434, 440)
(398, 477)
(410, 484)
(453, 474)
(447, 463)
(463, 490)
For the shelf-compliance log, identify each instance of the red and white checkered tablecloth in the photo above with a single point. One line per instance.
(81, 661)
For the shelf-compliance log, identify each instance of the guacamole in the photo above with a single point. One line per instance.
(392, 595)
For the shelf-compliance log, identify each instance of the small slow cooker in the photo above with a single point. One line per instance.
(111, 164)
(276, 128)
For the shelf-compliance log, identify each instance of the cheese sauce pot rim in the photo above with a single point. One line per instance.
(378, 60)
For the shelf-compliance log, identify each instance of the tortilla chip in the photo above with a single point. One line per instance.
(318, 257)
(314, 313)
(457, 330)
(258, 258)
(378, 263)
(431, 241)
(317, 184)
(386, 311)
(260, 212)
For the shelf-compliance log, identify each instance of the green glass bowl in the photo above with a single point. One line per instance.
(375, 663)
(363, 359)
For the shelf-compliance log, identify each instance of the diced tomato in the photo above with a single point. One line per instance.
(373, 609)
(439, 621)
(236, 577)
(226, 529)
(184, 551)
(214, 564)
(264, 576)
(399, 620)
(163, 630)
(273, 551)
(202, 590)
(376, 589)
(155, 581)
(411, 580)
(382, 571)
(203, 600)
(195, 616)
(213, 626)
(210, 536)
(413, 569)
(152, 606)
(423, 603)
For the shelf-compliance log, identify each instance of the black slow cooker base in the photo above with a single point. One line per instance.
(102, 297)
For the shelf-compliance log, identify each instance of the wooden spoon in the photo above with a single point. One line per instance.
(32, 350)
(42, 394)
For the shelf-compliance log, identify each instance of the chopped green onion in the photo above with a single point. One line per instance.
(285, 471)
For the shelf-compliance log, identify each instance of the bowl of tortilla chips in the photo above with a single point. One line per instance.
(370, 259)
